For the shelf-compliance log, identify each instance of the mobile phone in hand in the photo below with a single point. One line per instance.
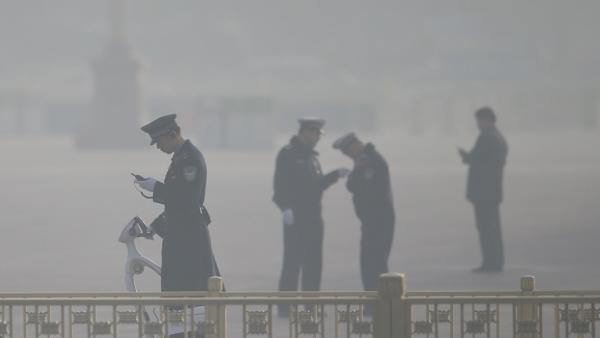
(138, 177)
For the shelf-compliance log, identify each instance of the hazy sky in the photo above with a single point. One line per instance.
(278, 47)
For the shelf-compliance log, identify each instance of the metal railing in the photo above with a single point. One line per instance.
(526, 313)
(388, 312)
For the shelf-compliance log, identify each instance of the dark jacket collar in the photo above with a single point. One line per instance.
(368, 152)
(369, 148)
(182, 150)
(490, 130)
(295, 143)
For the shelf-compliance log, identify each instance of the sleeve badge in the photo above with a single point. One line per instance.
(189, 173)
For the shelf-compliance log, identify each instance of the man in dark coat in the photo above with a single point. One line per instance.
(187, 258)
(369, 183)
(484, 187)
(298, 186)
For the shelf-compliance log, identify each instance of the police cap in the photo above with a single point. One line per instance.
(345, 141)
(312, 123)
(160, 126)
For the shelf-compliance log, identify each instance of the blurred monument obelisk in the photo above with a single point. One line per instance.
(116, 106)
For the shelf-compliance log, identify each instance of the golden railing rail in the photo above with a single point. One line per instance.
(386, 313)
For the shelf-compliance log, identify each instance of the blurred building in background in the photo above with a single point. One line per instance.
(236, 122)
(21, 114)
(116, 105)
(341, 116)
(422, 67)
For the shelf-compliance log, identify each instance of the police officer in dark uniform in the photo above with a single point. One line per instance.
(187, 258)
(484, 187)
(299, 184)
(369, 183)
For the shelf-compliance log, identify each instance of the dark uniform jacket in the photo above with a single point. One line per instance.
(299, 182)
(187, 257)
(486, 167)
(369, 183)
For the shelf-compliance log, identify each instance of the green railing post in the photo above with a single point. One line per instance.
(216, 313)
(392, 313)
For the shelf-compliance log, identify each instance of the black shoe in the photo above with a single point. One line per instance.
(487, 269)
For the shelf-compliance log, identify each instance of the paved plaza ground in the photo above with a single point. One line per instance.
(63, 209)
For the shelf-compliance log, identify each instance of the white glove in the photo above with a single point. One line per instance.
(343, 172)
(148, 184)
(288, 217)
